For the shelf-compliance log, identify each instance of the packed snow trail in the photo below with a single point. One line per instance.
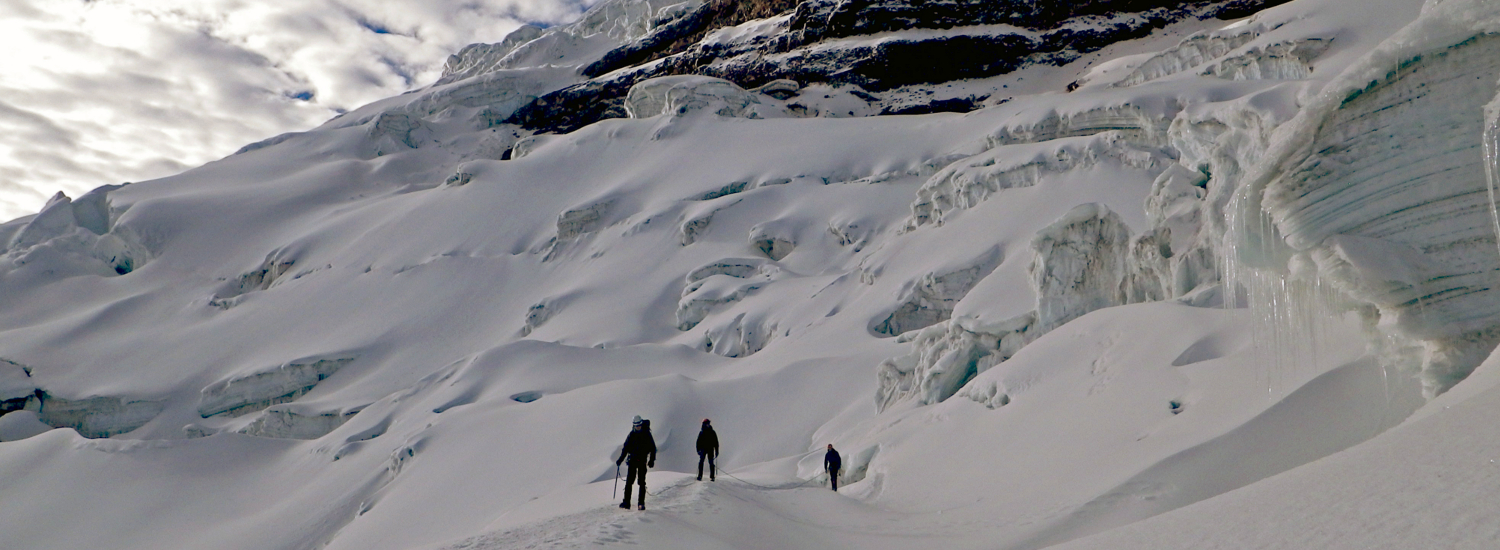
(725, 514)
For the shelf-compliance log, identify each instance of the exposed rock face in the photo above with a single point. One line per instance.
(742, 42)
(780, 89)
(685, 31)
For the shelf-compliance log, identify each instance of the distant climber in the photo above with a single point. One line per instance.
(640, 449)
(708, 447)
(831, 462)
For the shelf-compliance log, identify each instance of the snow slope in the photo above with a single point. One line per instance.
(1122, 288)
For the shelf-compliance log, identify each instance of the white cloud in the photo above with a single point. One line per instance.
(103, 91)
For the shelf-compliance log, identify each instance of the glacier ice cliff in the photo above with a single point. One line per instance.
(1370, 199)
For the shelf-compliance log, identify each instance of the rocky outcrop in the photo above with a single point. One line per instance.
(821, 41)
(689, 29)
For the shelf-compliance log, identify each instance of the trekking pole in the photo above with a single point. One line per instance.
(617, 483)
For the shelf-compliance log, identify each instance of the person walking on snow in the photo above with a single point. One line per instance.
(708, 447)
(831, 462)
(640, 449)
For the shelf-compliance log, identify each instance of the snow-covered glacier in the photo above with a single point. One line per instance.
(1041, 271)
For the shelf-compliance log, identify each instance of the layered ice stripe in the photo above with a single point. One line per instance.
(1380, 183)
(1399, 159)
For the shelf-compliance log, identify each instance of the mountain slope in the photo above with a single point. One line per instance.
(427, 322)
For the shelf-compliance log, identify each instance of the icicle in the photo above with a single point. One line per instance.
(1491, 157)
(1292, 307)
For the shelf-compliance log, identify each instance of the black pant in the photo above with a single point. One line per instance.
(634, 472)
(710, 457)
(833, 477)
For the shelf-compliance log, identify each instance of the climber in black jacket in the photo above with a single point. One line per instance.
(640, 448)
(831, 463)
(708, 447)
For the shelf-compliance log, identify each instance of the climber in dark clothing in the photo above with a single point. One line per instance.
(640, 450)
(708, 447)
(831, 463)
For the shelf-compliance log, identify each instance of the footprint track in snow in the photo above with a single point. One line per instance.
(605, 525)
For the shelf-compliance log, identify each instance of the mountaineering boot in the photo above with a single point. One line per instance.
(641, 507)
(625, 505)
(700, 477)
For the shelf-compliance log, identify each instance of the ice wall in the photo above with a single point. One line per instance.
(245, 394)
(1192, 52)
(73, 237)
(1078, 265)
(1368, 199)
(966, 183)
(680, 95)
(1371, 199)
(1378, 189)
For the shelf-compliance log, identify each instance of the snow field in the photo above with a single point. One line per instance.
(401, 341)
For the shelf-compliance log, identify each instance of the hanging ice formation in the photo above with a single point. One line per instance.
(1292, 306)
(1491, 157)
(1375, 194)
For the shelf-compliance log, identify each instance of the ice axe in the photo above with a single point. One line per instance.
(617, 482)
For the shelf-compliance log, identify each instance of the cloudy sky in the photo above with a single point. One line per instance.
(94, 92)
